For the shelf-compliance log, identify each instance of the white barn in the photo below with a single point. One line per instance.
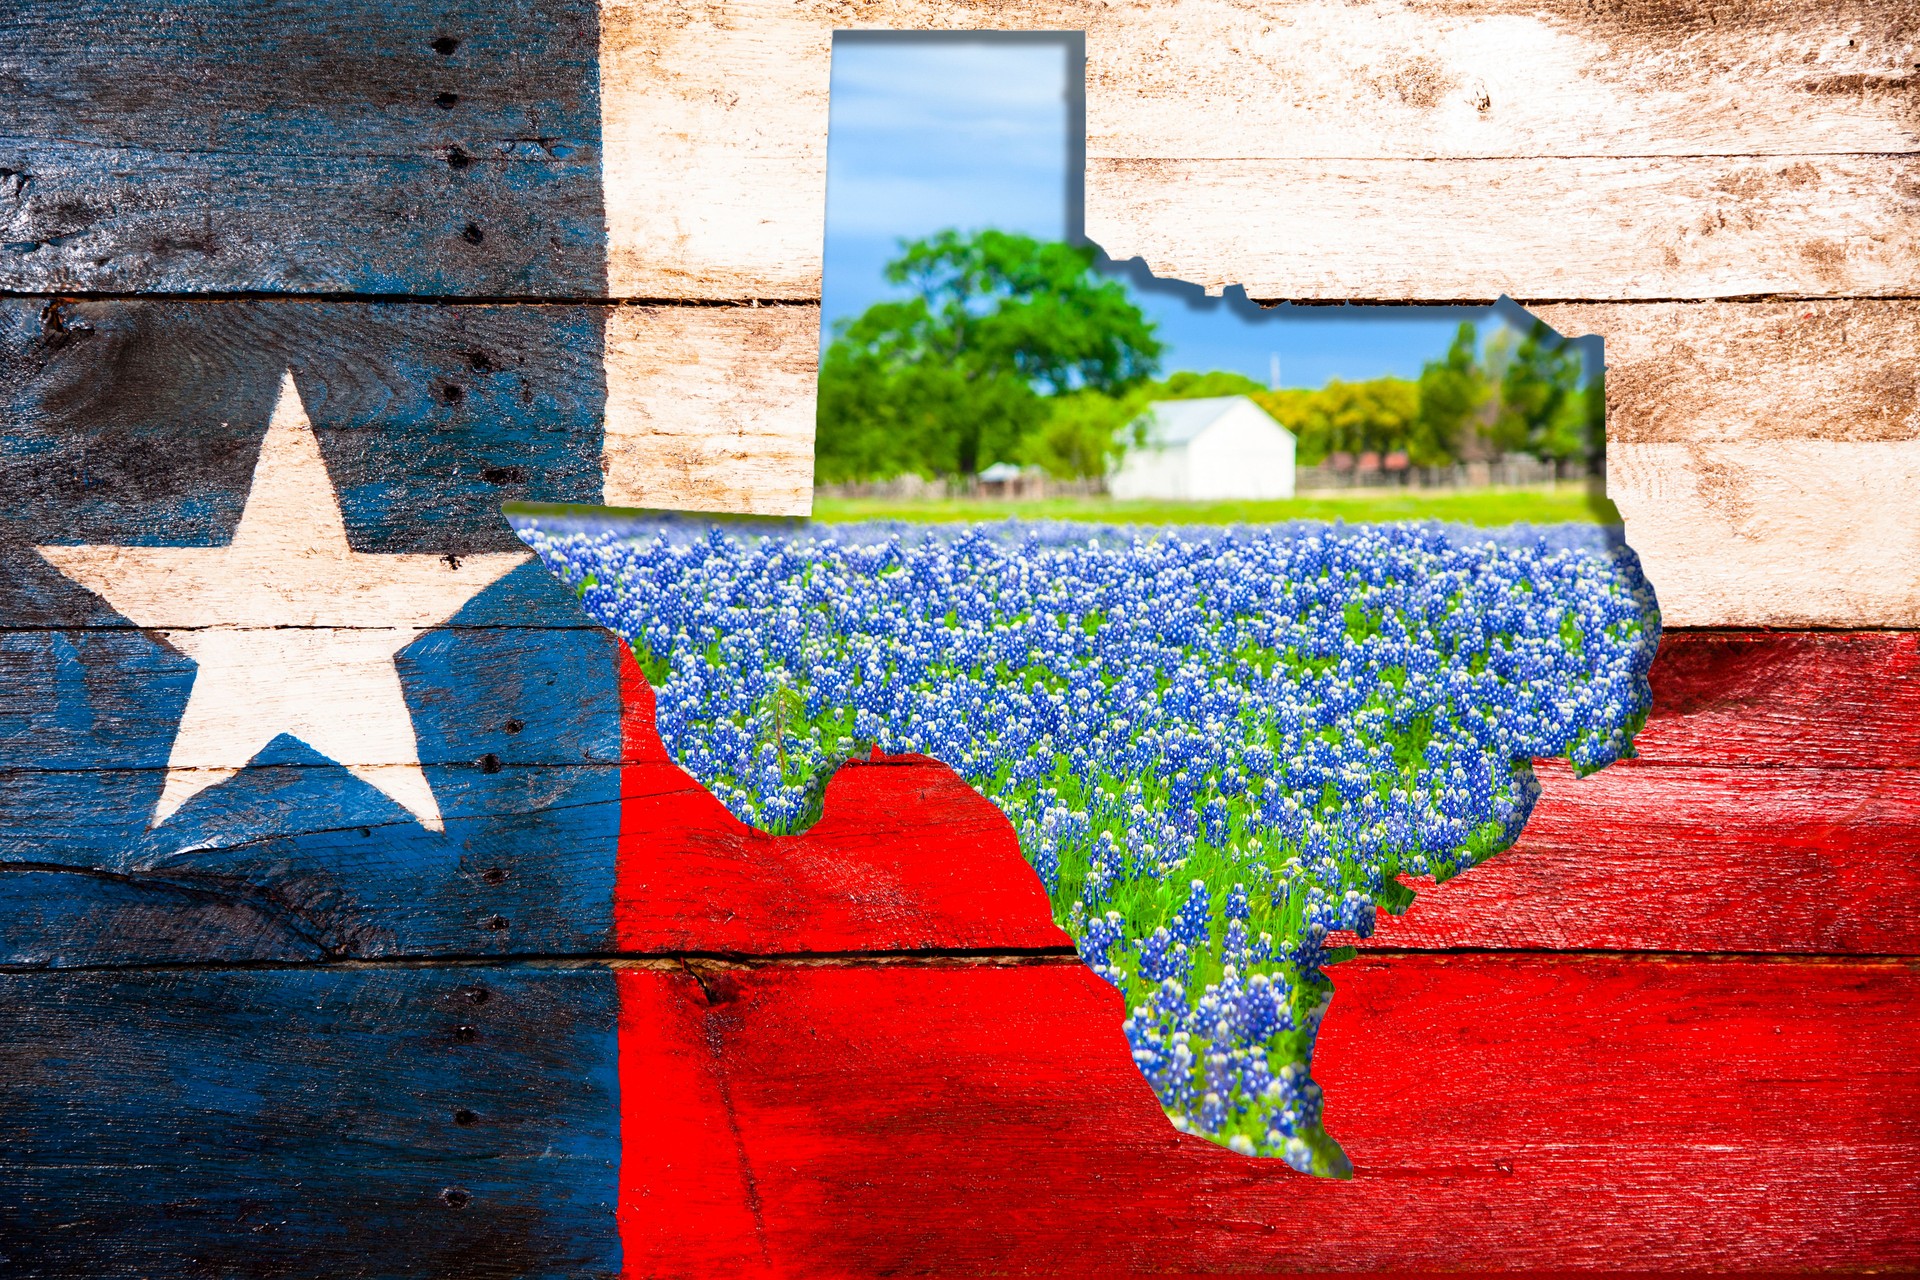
(1220, 447)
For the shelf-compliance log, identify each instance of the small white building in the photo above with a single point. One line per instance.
(1220, 447)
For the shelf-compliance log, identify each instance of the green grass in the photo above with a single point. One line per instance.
(1564, 505)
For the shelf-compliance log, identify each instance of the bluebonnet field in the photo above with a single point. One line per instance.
(1219, 746)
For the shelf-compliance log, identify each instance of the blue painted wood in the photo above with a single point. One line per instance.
(69, 918)
(371, 146)
(525, 864)
(395, 1122)
(139, 423)
(519, 732)
(110, 698)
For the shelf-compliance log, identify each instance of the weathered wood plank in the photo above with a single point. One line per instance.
(349, 153)
(1754, 372)
(1761, 699)
(1763, 456)
(141, 423)
(1282, 164)
(341, 126)
(1655, 858)
(1784, 533)
(1726, 836)
(711, 408)
(661, 406)
(1501, 1112)
(534, 859)
(111, 698)
(523, 861)
(1526, 1111)
(395, 1122)
(1466, 230)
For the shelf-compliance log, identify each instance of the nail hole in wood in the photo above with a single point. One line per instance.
(515, 726)
(456, 1198)
(479, 361)
(452, 393)
(497, 923)
(463, 1116)
(465, 1034)
(472, 234)
(457, 158)
(446, 101)
(445, 45)
(494, 875)
(479, 995)
(489, 763)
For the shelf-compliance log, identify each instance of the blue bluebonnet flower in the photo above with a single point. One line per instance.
(1220, 748)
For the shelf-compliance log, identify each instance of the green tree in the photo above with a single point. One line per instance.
(1084, 432)
(1541, 412)
(955, 377)
(1452, 391)
(1378, 415)
(1081, 434)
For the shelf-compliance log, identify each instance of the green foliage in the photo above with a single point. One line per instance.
(1518, 394)
(1464, 506)
(1080, 435)
(1203, 386)
(1452, 391)
(955, 378)
(1083, 434)
(1377, 416)
(1015, 350)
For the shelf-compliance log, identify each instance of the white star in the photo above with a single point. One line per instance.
(292, 631)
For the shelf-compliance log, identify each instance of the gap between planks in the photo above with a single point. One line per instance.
(755, 303)
(958, 957)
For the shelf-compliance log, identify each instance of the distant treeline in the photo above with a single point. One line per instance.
(1017, 350)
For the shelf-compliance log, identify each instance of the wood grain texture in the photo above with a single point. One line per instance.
(1446, 230)
(711, 408)
(1764, 456)
(1501, 1111)
(141, 423)
(571, 834)
(1573, 140)
(371, 159)
(1786, 533)
(395, 1122)
(905, 856)
(1773, 809)
(1704, 373)
(1768, 699)
(92, 698)
(1688, 858)
(309, 148)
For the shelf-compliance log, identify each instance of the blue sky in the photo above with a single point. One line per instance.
(972, 131)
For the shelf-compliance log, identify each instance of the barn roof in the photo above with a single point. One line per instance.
(1171, 423)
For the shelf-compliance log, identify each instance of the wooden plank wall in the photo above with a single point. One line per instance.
(566, 252)
(1725, 192)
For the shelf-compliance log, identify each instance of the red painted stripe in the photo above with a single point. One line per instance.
(687, 1202)
(1797, 699)
(905, 857)
(1502, 1112)
(1693, 858)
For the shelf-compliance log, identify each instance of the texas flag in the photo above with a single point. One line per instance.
(353, 920)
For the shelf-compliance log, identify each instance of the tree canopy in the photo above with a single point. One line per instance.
(1010, 349)
(958, 375)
